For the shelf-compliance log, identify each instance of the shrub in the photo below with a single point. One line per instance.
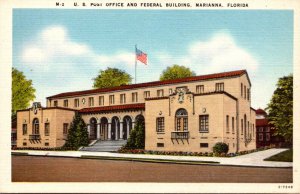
(220, 147)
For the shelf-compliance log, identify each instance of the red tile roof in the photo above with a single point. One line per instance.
(260, 112)
(262, 122)
(155, 83)
(139, 106)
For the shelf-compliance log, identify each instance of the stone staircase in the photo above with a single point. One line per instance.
(105, 146)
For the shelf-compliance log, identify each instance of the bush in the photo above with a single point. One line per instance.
(220, 148)
(137, 137)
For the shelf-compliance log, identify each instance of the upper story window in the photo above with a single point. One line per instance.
(24, 128)
(248, 94)
(47, 129)
(122, 99)
(204, 123)
(170, 91)
(261, 129)
(181, 120)
(91, 101)
(242, 88)
(160, 93)
(245, 92)
(200, 89)
(146, 94)
(66, 103)
(219, 87)
(134, 97)
(101, 100)
(76, 102)
(55, 103)
(35, 126)
(160, 124)
(111, 99)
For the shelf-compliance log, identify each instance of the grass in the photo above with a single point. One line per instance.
(286, 156)
(19, 153)
(148, 160)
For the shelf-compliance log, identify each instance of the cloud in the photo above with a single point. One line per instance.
(219, 53)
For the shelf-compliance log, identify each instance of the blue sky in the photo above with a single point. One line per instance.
(62, 50)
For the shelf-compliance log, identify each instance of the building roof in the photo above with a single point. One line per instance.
(49, 108)
(260, 112)
(155, 83)
(138, 106)
(262, 122)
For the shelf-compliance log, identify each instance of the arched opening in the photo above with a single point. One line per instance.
(127, 126)
(93, 128)
(181, 120)
(35, 126)
(103, 128)
(140, 119)
(115, 128)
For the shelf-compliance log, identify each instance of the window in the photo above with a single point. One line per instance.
(227, 124)
(242, 89)
(122, 98)
(160, 124)
(24, 129)
(267, 136)
(76, 102)
(232, 124)
(248, 94)
(160, 145)
(65, 128)
(55, 102)
(24, 144)
(181, 119)
(65, 103)
(242, 126)
(146, 94)
(47, 144)
(200, 89)
(134, 97)
(35, 126)
(261, 129)
(267, 129)
(101, 100)
(203, 145)
(111, 99)
(170, 91)
(245, 92)
(47, 129)
(219, 87)
(260, 137)
(91, 101)
(160, 93)
(204, 123)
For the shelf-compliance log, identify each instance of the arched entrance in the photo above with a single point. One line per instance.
(115, 127)
(93, 128)
(139, 119)
(35, 126)
(127, 125)
(103, 128)
(181, 120)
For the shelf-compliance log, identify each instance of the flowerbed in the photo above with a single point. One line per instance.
(44, 149)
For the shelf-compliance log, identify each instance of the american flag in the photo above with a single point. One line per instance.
(142, 57)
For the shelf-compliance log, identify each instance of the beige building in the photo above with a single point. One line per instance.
(187, 114)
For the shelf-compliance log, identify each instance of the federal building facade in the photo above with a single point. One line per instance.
(187, 114)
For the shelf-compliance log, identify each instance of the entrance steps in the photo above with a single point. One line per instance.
(105, 146)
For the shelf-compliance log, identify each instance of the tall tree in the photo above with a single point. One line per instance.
(111, 77)
(176, 71)
(280, 108)
(77, 134)
(22, 91)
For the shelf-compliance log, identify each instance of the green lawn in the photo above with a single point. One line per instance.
(286, 156)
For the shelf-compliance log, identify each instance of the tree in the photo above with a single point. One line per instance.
(137, 137)
(22, 91)
(111, 77)
(176, 71)
(280, 108)
(77, 135)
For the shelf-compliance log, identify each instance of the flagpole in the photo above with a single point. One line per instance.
(135, 64)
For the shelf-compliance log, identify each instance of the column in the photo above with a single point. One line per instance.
(121, 130)
(89, 130)
(109, 131)
(116, 130)
(133, 123)
(127, 129)
(98, 131)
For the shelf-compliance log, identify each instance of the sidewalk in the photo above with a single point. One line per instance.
(253, 159)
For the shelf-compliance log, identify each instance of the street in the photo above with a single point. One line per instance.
(59, 169)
